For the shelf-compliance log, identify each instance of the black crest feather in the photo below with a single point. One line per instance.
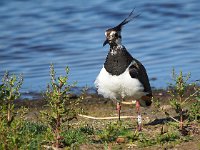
(130, 17)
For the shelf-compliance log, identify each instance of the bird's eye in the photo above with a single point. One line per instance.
(116, 34)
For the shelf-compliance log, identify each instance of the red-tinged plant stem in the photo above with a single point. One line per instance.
(9, 107)
(57, 136)
(181, 119)
(181, 114)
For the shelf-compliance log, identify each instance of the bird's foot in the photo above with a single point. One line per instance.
(118, 106)
(139, 117)
(118, 109)
(139, 123)
(137, 106)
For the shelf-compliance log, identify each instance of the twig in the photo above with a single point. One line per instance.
(51, 147)
(174, 119)
(129, 103)
(171, 117)
(106, 118)
(190, 96)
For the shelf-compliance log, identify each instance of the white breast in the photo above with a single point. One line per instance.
(114, 87)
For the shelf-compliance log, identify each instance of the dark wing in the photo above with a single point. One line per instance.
(137, 70)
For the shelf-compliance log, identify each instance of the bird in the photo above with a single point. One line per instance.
(122, 75)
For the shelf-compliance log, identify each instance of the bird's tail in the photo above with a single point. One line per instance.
(147, 99)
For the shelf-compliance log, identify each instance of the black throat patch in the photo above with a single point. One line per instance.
(117, 60)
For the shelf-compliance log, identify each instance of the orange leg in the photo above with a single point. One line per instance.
(118, 109)
(139, 117)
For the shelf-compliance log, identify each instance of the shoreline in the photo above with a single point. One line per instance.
(33, 95)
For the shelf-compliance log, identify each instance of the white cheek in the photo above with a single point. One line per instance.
(112, 33)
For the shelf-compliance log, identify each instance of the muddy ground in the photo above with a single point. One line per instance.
(97, 106)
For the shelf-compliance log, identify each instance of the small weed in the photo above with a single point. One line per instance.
(11, 119)
(22, 135)
(32, 135)
(73, 136)
(194, 111)
(87, 130)
(61, 108)
(179, 97)
(9, 92)
(112, 131)
(142, 140)
(167, 137)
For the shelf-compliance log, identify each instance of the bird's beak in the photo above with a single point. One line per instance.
(105, 42)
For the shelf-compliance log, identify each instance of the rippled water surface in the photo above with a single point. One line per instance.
(35, 33)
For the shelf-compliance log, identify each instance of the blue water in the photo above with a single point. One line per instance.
(35, 33)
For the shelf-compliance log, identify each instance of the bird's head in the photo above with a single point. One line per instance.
(113, 35)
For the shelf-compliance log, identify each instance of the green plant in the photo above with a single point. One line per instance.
(179, 96)
(31, 135)
(9, 92)
(87, 129)
(12, 119)
(60, 108)
(194, 111)
(74, 136)
(112, 131)
(23, 135)
(167, 137)
(143, 139)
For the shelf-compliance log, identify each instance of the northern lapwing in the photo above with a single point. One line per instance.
(122, 75)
